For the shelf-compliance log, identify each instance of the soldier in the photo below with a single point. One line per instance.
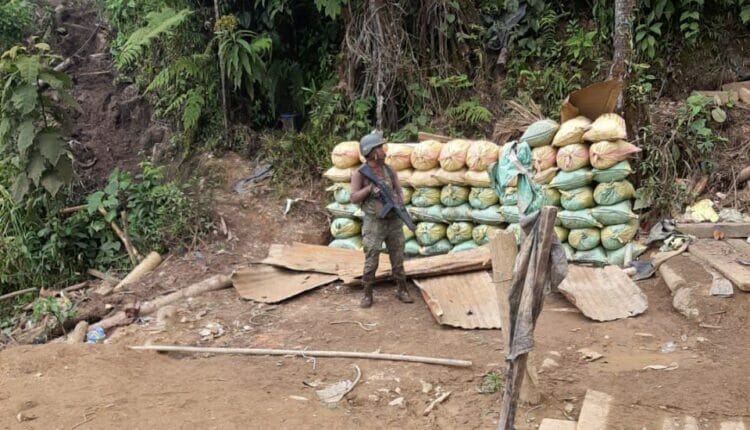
(378, 227)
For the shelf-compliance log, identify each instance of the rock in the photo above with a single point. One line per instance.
(398, 390)
(399, 401)
(23, 416)
(373, 398)
(569, 408)
(426, 386)
(555, 353)
(549, 363)
(589, 355)
(721, 287)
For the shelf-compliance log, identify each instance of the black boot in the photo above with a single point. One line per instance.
(403, 292)
(366, 301)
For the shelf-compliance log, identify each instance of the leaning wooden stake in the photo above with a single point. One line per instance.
(307, 353)
(132, 252)
(147, 265)
(504, 250)
(533, 259)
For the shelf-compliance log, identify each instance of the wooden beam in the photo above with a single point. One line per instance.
(706, 230)
(595, 411)
(422, 136)
(722, 256)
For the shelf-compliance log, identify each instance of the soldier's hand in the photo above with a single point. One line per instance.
(375, 190)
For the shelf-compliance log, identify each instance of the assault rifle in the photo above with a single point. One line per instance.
(389, 201)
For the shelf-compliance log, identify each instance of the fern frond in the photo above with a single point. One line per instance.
(193, 109)
(194, 67)
(160, 24)
(470, 112)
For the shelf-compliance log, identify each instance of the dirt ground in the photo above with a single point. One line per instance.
(110, 386)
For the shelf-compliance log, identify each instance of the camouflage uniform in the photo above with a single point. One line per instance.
(375, 231)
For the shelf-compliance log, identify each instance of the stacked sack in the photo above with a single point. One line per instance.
(453, 205)
(586, 163)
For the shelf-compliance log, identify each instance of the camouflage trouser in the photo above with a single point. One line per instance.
(375, 231)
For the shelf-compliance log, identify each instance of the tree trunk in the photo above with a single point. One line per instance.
(623, 46)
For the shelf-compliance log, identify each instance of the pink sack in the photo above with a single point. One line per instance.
(573, 157)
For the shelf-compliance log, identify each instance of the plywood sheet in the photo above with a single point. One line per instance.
(550, 424)
(269, 284)
(594, 411)
(467, 300)
(723, 256)
(603, 294)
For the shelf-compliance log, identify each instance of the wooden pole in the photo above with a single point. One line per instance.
(307, 353)
(223, 77)
(534, 261)
(17, 293)
(503, 251)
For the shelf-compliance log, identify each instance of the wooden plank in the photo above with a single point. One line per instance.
(603, 294)
(706, 230)
(436, 265)
(594, 411)
(671, 277)
(722, 256)
(269, 284)
(740, 246)
(466, 300)
(736, 86)
(550, 424)
(422, 136)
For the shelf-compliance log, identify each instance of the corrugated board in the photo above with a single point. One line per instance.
(268, 284)
(467, 300)
(592, 101)
(604, 294)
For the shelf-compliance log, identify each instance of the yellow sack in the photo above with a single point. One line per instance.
(425, 156)
(407, 192)
(571, 131)
(428, 233)
(398, 155)
(546, 176)
(477, 179)
(408, 234)
(445, 177)
(453, 155)
(562, 233)
(341, 228)
(404, 176)
(424, 178)
(606, 154)
(573, 157)
(345, 154)
(544, 157)
(339, 175)
(481, 155)
(608, 126)
(483, 233)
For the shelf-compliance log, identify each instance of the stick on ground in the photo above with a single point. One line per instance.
(306, 353)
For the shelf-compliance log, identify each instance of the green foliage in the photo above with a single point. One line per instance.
(241, 53)
(470, 113)
(59, 309)
(491, 383)
(331, 8)
(32, 121)
(685, 151)
(159, 24)
(15, 18)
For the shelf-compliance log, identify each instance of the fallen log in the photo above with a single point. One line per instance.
(78, 335)
(213, 283)
(306, 353)
(148, 264)
(104, 276)
(17, 293)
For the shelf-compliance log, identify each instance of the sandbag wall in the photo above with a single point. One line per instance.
(583, 167)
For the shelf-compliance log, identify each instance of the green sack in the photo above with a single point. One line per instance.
(516, 230)
(509, 171)
(425, 196)
(610, 193)
(617, 256)
(432, 213)
(457, 213)
(509, 197)
(570, 180)
(490, 216)
(440, 247)
(429, 233)
(342, 192)
(577, 199)
(615, 214)
(481, 233)
(584, 239)
(550, 196)
(343, 210)
(569, 251)
(411, 247)
(618, 172)
(464, 246)
(482, 198)
(458, 232)
(407, 192)
(595, 256)
(562, 233)
(510, 213)
(454, 195)
(352, 243)
(341, 228)
(616, 236)
(540, 133)
(578, 219)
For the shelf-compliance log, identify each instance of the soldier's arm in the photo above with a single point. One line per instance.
(359, 190)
